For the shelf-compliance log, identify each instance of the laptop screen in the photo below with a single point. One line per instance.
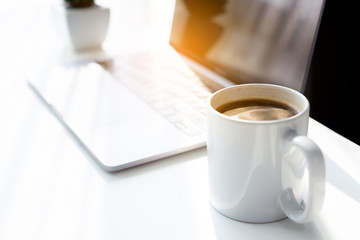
(247, 41)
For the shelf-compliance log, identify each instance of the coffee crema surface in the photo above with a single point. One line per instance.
(257, 110)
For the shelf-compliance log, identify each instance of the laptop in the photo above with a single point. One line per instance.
(147, 105)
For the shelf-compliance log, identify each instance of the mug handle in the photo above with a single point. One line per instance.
(316, 168)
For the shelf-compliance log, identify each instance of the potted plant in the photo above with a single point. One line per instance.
(79, 3)
(84, 24)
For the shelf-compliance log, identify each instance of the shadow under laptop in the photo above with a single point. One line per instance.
(153, 166)
(157, 165)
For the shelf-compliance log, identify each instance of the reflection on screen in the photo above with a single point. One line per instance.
(249, 40)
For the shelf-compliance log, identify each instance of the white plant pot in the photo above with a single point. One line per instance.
(83, 28)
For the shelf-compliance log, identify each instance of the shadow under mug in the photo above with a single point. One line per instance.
(263, 171)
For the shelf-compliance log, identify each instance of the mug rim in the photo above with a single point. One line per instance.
(257, 122)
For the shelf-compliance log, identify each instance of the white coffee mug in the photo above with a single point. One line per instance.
(264, 171)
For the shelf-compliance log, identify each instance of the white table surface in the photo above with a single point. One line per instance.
(50, 190)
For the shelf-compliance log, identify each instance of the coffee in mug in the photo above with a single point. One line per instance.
(257, 110)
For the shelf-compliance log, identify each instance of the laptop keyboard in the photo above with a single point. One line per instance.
(168, 86)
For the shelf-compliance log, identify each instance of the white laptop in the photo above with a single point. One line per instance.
(145, 106)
